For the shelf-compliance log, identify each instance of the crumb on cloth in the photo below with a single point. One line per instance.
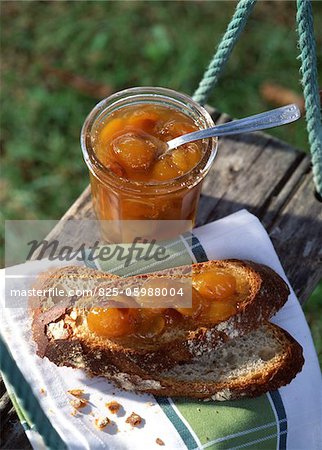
(76, 392)
(78, 403)
(113, 406)
(102, 422)
(134, 419)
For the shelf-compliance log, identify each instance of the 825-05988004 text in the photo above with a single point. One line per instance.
(100, 291)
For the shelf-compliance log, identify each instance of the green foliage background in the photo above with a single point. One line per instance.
(123, 44)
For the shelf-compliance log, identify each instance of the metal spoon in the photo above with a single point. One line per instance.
(269, 119)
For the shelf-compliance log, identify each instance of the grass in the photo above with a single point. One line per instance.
(124, 44)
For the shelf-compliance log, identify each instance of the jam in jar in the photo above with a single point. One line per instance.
(123, 144)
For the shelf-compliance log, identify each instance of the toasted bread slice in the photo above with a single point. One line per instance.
(62, 333)
(263, 360)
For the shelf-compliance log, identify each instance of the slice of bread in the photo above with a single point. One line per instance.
(263, 360)
(62, 333)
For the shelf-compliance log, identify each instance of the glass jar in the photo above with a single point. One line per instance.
(116, 198)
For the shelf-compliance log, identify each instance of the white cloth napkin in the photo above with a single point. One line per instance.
(240, 235)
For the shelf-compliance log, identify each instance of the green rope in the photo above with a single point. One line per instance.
(28, 400)
(218, 62)
(309, 74)
(308, 71)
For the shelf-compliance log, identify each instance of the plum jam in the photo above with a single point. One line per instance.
(216, 296)
(123, 144)
(130, 143)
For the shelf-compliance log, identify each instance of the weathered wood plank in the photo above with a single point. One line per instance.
(285, 192)
(249, 169)
(2, 387)
(5, 404)
(297, 235)
(13, 436)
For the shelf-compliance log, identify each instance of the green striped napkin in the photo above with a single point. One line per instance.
(233, 424)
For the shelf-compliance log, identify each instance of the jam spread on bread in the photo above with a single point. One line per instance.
(215, 284)
(222, 346)
(215, 297)
(112, 322)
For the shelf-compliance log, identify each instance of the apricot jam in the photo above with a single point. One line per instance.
(112, 322)
(197, 307)
(123, 143)
(215, 297)
(130, 143)
(217, 285)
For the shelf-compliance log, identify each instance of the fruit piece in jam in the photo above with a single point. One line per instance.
(217, 312)
(151, 326)
(134, 152)
(215, 297)
(112, 322)
(213, 284)
(198, 305)
(118, 318)
(131, 143)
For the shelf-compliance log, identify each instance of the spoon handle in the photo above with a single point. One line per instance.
(269, 119)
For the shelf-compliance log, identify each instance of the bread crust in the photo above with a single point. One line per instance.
(268, 293)
(57, 278)
(274, 375)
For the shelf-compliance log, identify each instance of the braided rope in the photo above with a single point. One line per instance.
(225, 47)
(28, 400)
(309, 74)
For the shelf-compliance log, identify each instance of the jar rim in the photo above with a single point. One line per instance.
(150, 93)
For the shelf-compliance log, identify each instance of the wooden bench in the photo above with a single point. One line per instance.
(254, 171)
